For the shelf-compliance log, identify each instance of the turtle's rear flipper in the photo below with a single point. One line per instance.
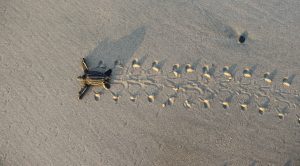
(83, 91)
(107, 85)
(108, 73)
(107, 81)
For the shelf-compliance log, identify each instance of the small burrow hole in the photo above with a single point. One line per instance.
(243, 37)
(225, 105)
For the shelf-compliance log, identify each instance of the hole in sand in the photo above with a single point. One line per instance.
(247, 73)
(285, 81)
(244, 107)
(243, 37)
(175, 67)
(267, 77)
(155, 66)
(116, 62)
(225, 105)
(151, 98)
(169, 102)
(135, 63)
(226, 71)
(116, 97)
(280, 115)
(97, 96)
(261, 110)
(133, 98)
(206, 104)
(205, 71)
(189, 68)
(176, 71)
(225, 68)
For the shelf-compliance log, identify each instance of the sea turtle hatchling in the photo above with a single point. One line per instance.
(93, 78)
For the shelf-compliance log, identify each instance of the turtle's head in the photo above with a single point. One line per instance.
(81, 79)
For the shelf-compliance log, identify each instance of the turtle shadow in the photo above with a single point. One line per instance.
(107, 52)
(288, 163)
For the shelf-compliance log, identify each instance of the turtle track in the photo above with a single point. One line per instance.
(206, 86)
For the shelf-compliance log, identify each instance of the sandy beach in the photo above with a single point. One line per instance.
(194, 82)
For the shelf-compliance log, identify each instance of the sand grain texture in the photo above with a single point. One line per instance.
(43, 123)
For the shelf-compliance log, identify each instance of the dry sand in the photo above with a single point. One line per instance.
(42, 122)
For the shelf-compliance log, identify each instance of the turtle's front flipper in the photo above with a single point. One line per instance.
(83, 91)
(84, 66)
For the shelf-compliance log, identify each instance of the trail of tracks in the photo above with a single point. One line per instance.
(203, 88)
